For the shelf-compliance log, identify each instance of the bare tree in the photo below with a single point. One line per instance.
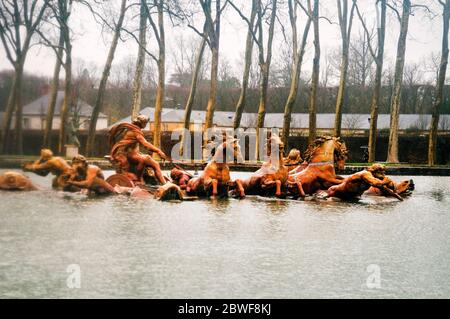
(247, 63)
(184, 54)
(413, 78)
(53, 92)
(193, 89)
(140, 62)
(18, 23)
(345, 23)
(398, 79)
(264, 64)
(159, 33)
(212, 32)
(360, 61)
(104, 79)
(432, 64)
(315, 74)
(61, 11)
(438, 101)
(378, 56)
(298, 53)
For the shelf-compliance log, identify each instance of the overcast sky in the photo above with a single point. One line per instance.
(90, 46)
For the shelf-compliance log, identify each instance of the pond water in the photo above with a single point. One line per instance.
(251, 248)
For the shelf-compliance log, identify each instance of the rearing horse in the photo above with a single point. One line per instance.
(318, 170)
(215, 178)
(272, 175)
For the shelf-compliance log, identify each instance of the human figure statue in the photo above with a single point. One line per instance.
(48, 163)
(294, 158)
(355, 185)
(72, 138)
(89, 177)
(403, 188)
(125, 139)
(180, 177)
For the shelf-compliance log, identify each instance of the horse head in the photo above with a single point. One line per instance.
(340, 153)
(226, 150)
(327, 149)
(274, 141)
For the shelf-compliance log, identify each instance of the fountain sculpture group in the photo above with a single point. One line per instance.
(139, 175)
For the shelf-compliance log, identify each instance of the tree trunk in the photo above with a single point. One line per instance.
(213, 87)
(18, 127)
(263, 84)
(161, 77)
(140, 63)
(20, 21)
(68, 97)
(296, 71)
(439, 86)
(5, 140)
(341, 94)
(248, 62)
(53, 95)
(398, 79)
(315, 75)
(377, 85)
(264, 66)
(103, 82)
(346, 28)
(190, 100)
(214, 43)
(14, 104)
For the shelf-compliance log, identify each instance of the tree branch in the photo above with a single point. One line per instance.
(243, 17)
(140, 45)
(369, 44)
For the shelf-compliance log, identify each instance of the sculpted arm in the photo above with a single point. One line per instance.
(141, 139)
(369, 179)
(36, 166)
(88, 182)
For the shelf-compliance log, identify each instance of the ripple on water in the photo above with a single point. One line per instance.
(256, 247)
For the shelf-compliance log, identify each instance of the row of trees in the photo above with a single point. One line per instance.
(33, 19)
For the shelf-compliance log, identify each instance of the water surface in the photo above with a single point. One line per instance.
(251, 248)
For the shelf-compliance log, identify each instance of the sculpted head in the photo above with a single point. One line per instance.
(79, 163)
(141, 121)
(168, 191)
(15, 181)
(274, 141)
(294, 157)
(176, 174)
(405, 187)
(377, 170)
(46, 154)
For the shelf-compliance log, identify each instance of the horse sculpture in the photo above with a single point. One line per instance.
(272, 175)
(215, 178)
(318, 170)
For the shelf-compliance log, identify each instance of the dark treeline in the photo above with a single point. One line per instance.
(417, 98)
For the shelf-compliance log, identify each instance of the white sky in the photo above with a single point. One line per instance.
(90, 46)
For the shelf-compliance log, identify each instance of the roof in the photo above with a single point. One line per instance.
(40, 105)
(170, 115)
(299, 120)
